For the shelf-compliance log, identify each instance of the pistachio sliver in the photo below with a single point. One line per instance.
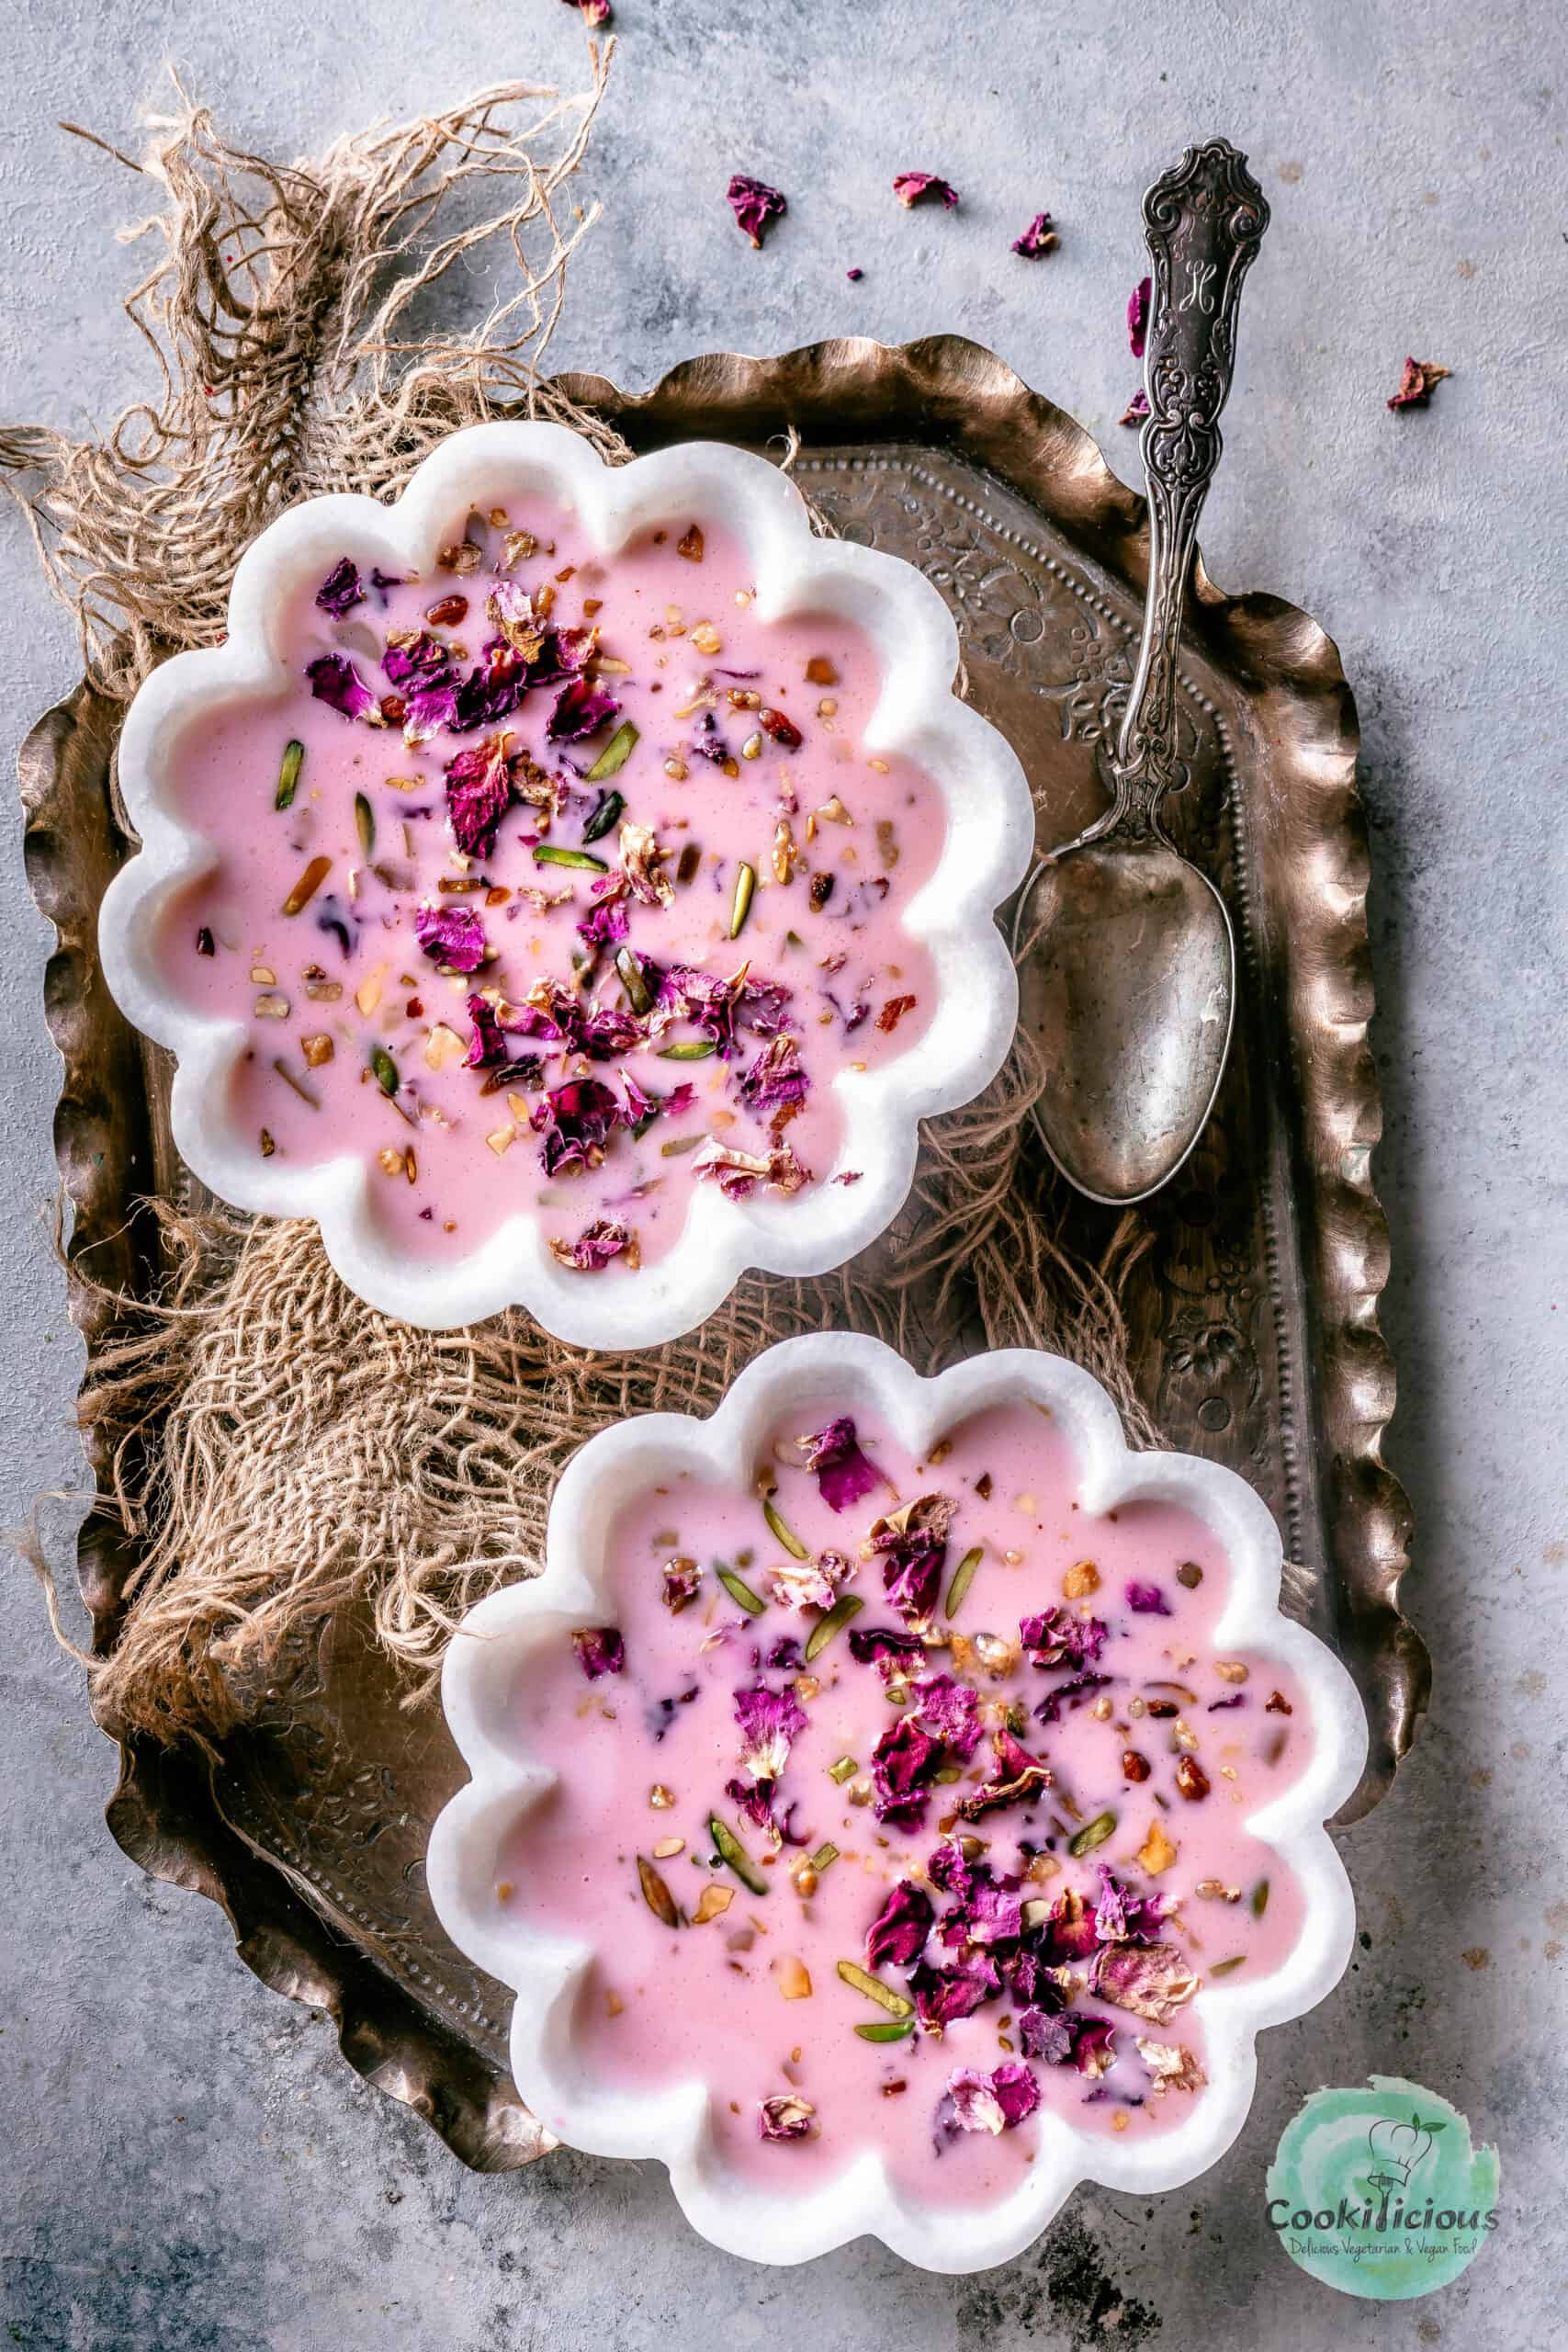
(740, 1592)
(690, 1050)
(825, 1856)
(1093, 1833)
(1258, 1899)
(612, 760)
(632, 980)
(848, 1605)
(842, 1770)
(657, 1896)
(1224, 1967)
(745, 884)
(288, 774)
(783, 1533)
(386, 1070)
(894, 2031)
(581, 860)
(861, 1980)
(364, 823)
(963, 1577)
(733, 1854)
(601, 820)
(677, 1145)
(310, 882)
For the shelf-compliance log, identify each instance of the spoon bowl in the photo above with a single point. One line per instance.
(1129, 993)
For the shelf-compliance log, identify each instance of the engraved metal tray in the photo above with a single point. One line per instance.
(1254, 1312)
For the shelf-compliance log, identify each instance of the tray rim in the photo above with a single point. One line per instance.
(937, 390)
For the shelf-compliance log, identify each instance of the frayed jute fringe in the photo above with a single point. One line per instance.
(279, 1452)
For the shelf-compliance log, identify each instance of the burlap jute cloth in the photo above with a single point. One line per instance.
(278, 1450)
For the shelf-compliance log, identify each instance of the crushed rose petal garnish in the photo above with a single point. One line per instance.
(924, 187)
(558, 884)
(1417, 383)
(948, 1783)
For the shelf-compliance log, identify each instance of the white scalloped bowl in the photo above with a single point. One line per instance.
(990, 835)
(800, 1381)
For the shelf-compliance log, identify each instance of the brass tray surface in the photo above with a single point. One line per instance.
(1253, 1314)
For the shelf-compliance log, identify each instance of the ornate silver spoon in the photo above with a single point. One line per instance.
(1127, 969)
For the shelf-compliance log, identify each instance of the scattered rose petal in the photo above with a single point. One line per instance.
(786, 2116)
(902, 1763)
(1152, 1980)
(1138, 316)
(993, 2102)
(776, 1080)
(1146, 1599)
(596, 1245)
(755, 204)
(580, 708)
(912, 1543)
(681, 1578)
(739, 1172)
(870, 1644)
(452, 935)
(1172, 2067)
(1137, 408)
(600, 1650)
(334, 680)
(576, 1122)
(896, 1936)
(1018, 1778)
(1040, 237)
(593, 13)
(342, 588)
(854, 276)
(1070, 1694)
(1122, 1917)
(478, 791)
(1417, 383)
(942, 1995)
(950, 1711)
(811, 1584)
(843, 1472)
(923, 187)
(1055, 1637)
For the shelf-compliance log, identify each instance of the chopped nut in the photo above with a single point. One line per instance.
(819, 671)
(443, 1047)
(462, 560)
(712, 1904)
(706, 639)
(886, 843)
(316, 1048)
(1192, 1781)
(1134, 1765)
(1230, 1670)
(785, 851)
(1156, 1853)
(264, 976)
(676, 770)
(753, 748)
(833, 812)
(267, 1144)
(795, 1978)
(367, 995)
(270, 1006)
(391, 1160)
(667, 1847)
(1183, 1737)
(501, 1139)
(1214, 1890)
(1081, 1580)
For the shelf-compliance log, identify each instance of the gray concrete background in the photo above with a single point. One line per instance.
(189, 2166)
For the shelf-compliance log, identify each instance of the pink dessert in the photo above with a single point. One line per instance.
(556, 883)
(902, 1804)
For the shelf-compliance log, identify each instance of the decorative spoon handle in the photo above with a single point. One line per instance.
(1205, 221)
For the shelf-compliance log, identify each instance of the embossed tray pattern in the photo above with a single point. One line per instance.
(1254, 1313)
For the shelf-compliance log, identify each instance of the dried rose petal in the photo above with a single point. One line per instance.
(942, 1995)
(1417, 383)
(600, 1650)
(1138, 316)
(1122, 1917)
(1055, 1637)
(576, 1122)
(342, 588)
(811, 1584)
(682, 1578)
(417, 659)
(596, 1245)
(334, 680)
(923, 187)
(452, 935)
(1172, 2067)
(1094, 2046)
(1047, 2038)
(1146, 1599)
(739, 1172)
(897, 1934)
(1152, 1980)
(842, 1472)
(478, 791)
(902, 1762)
(993, 2102)
(1038, 238)
(1137, 408)
(776, 1080)
(913, 1546)
(580, 708)
(754, 205)
(950, 1711)
(786, 2116)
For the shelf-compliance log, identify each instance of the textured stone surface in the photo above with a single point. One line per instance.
(190, 2164)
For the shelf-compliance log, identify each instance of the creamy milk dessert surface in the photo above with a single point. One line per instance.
(902, 1804)
(556, 883)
